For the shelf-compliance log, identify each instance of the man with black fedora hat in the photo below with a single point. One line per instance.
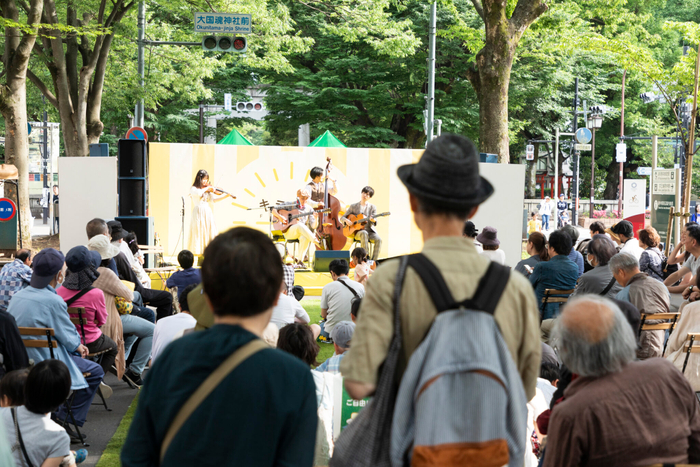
(445, 189)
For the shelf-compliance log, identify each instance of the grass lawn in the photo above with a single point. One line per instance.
(110, 456)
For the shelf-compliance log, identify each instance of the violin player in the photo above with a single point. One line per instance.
(203, 228)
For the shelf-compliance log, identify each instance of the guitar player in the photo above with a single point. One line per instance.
(302, 230)
(368, 210)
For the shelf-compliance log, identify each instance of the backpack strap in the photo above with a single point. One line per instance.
(607, 289)
(488, 292)
(349, 288)
(75, 297)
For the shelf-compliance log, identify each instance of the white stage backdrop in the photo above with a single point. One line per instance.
(88, 189)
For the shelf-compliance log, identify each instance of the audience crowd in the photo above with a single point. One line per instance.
(567, 353)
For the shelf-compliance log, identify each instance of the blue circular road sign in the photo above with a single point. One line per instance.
(583, 136)
(8, 209)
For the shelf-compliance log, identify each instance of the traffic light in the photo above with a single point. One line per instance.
(224, 44)
(248, 106)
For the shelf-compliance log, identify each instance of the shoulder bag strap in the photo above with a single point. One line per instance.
(487, 295)
(19, 437)
(349, 288)
(610, 286)
(75, 297)
(207, 387)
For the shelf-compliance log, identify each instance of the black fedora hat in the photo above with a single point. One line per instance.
(447, 173)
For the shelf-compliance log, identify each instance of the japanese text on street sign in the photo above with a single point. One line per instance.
(227, 102)
(530, 152)
(582, 147)
(664, 182)
(231, 23)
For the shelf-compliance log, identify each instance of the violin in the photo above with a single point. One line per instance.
(218, 191)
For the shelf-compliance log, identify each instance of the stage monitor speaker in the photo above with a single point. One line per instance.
(145, 233)
(132, 197)
(132, 155)
(323, 258)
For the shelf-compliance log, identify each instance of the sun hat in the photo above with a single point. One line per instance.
(488, 237)
(95, 259)
(81, 273)
(101, 244)
(47, 263)
(447, 173)
(342, 334)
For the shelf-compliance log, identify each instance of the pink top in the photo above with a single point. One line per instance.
(362, 272)
(95, 310)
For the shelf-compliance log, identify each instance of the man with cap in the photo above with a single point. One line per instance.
(445, 190)
(39, 306)
(624, 235)
(562, 207)
(341, 335)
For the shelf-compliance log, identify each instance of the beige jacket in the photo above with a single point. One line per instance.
(688, 322)
(649, 296)
(111, 286)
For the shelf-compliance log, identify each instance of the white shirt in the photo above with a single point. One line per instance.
(337, 299)
(286, 310)
(167, 328)
(632, 247)
(497, 256)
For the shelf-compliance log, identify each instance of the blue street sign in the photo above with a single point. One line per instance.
(223, 23)
(8, 209)
(583, 136)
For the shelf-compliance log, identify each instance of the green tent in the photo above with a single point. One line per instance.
(327, 140)
(236, 139)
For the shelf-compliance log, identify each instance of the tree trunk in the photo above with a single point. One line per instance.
(13, 105)
(491, 76)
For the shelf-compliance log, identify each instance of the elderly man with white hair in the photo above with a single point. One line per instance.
(647, 294)
(617, 411)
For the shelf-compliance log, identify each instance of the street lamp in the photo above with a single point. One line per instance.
(595, 121)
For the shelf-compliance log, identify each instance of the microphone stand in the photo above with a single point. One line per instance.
(182, 214)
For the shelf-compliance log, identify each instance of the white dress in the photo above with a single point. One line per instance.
(202, 227)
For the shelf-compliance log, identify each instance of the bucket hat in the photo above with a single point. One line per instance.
(101, 244)
(447, 173)
(488, 237)
(81, 273)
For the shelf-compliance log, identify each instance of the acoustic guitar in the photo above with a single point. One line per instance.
(358, 223)
(293, 217)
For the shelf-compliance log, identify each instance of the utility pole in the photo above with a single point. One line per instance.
(201, 123)
(622, 133)
(141, 62)
(431, 73)
(690, 151)
(577, 154)
(592, 172)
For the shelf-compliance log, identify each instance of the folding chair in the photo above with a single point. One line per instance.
(176, 300)
(694, 338)
(669, 324)
(97, 356)
(51, 343)
(554, 296)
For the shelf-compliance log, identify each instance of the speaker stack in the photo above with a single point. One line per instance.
(133, 173)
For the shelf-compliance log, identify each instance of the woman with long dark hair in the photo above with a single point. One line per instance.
(202, 227)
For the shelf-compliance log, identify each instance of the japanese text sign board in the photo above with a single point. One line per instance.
(663, 197)
(530, 152)
(223, 23)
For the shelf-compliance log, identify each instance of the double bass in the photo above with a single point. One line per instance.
(330, 229)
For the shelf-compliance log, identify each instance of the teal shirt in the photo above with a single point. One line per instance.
(262, 414)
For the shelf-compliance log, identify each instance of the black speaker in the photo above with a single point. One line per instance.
(143, 228)
(132, 155)
(323, 258)
(132, 197)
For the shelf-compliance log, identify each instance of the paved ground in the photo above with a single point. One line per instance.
(101, 425)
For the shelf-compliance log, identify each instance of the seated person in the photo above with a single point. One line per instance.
(288, 310)
(491, 245)
(547, 382)
(363, 266)
(120, 265)
(242, 275)
(12, 349)
(77, 291)
(341, 335)
(188, 275)
(574, 255)
(599, 279)
(172, 327)
(368, 233)
(336, 297)
(676, 353)
(15, 276)
(470, 231)
(559, 273)
(132, 243)
(39, 306)
(45, 442)
(12, 388)
(606, 417)
(355, 308)
(537, 249)
(651, 260)
(647, 294)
